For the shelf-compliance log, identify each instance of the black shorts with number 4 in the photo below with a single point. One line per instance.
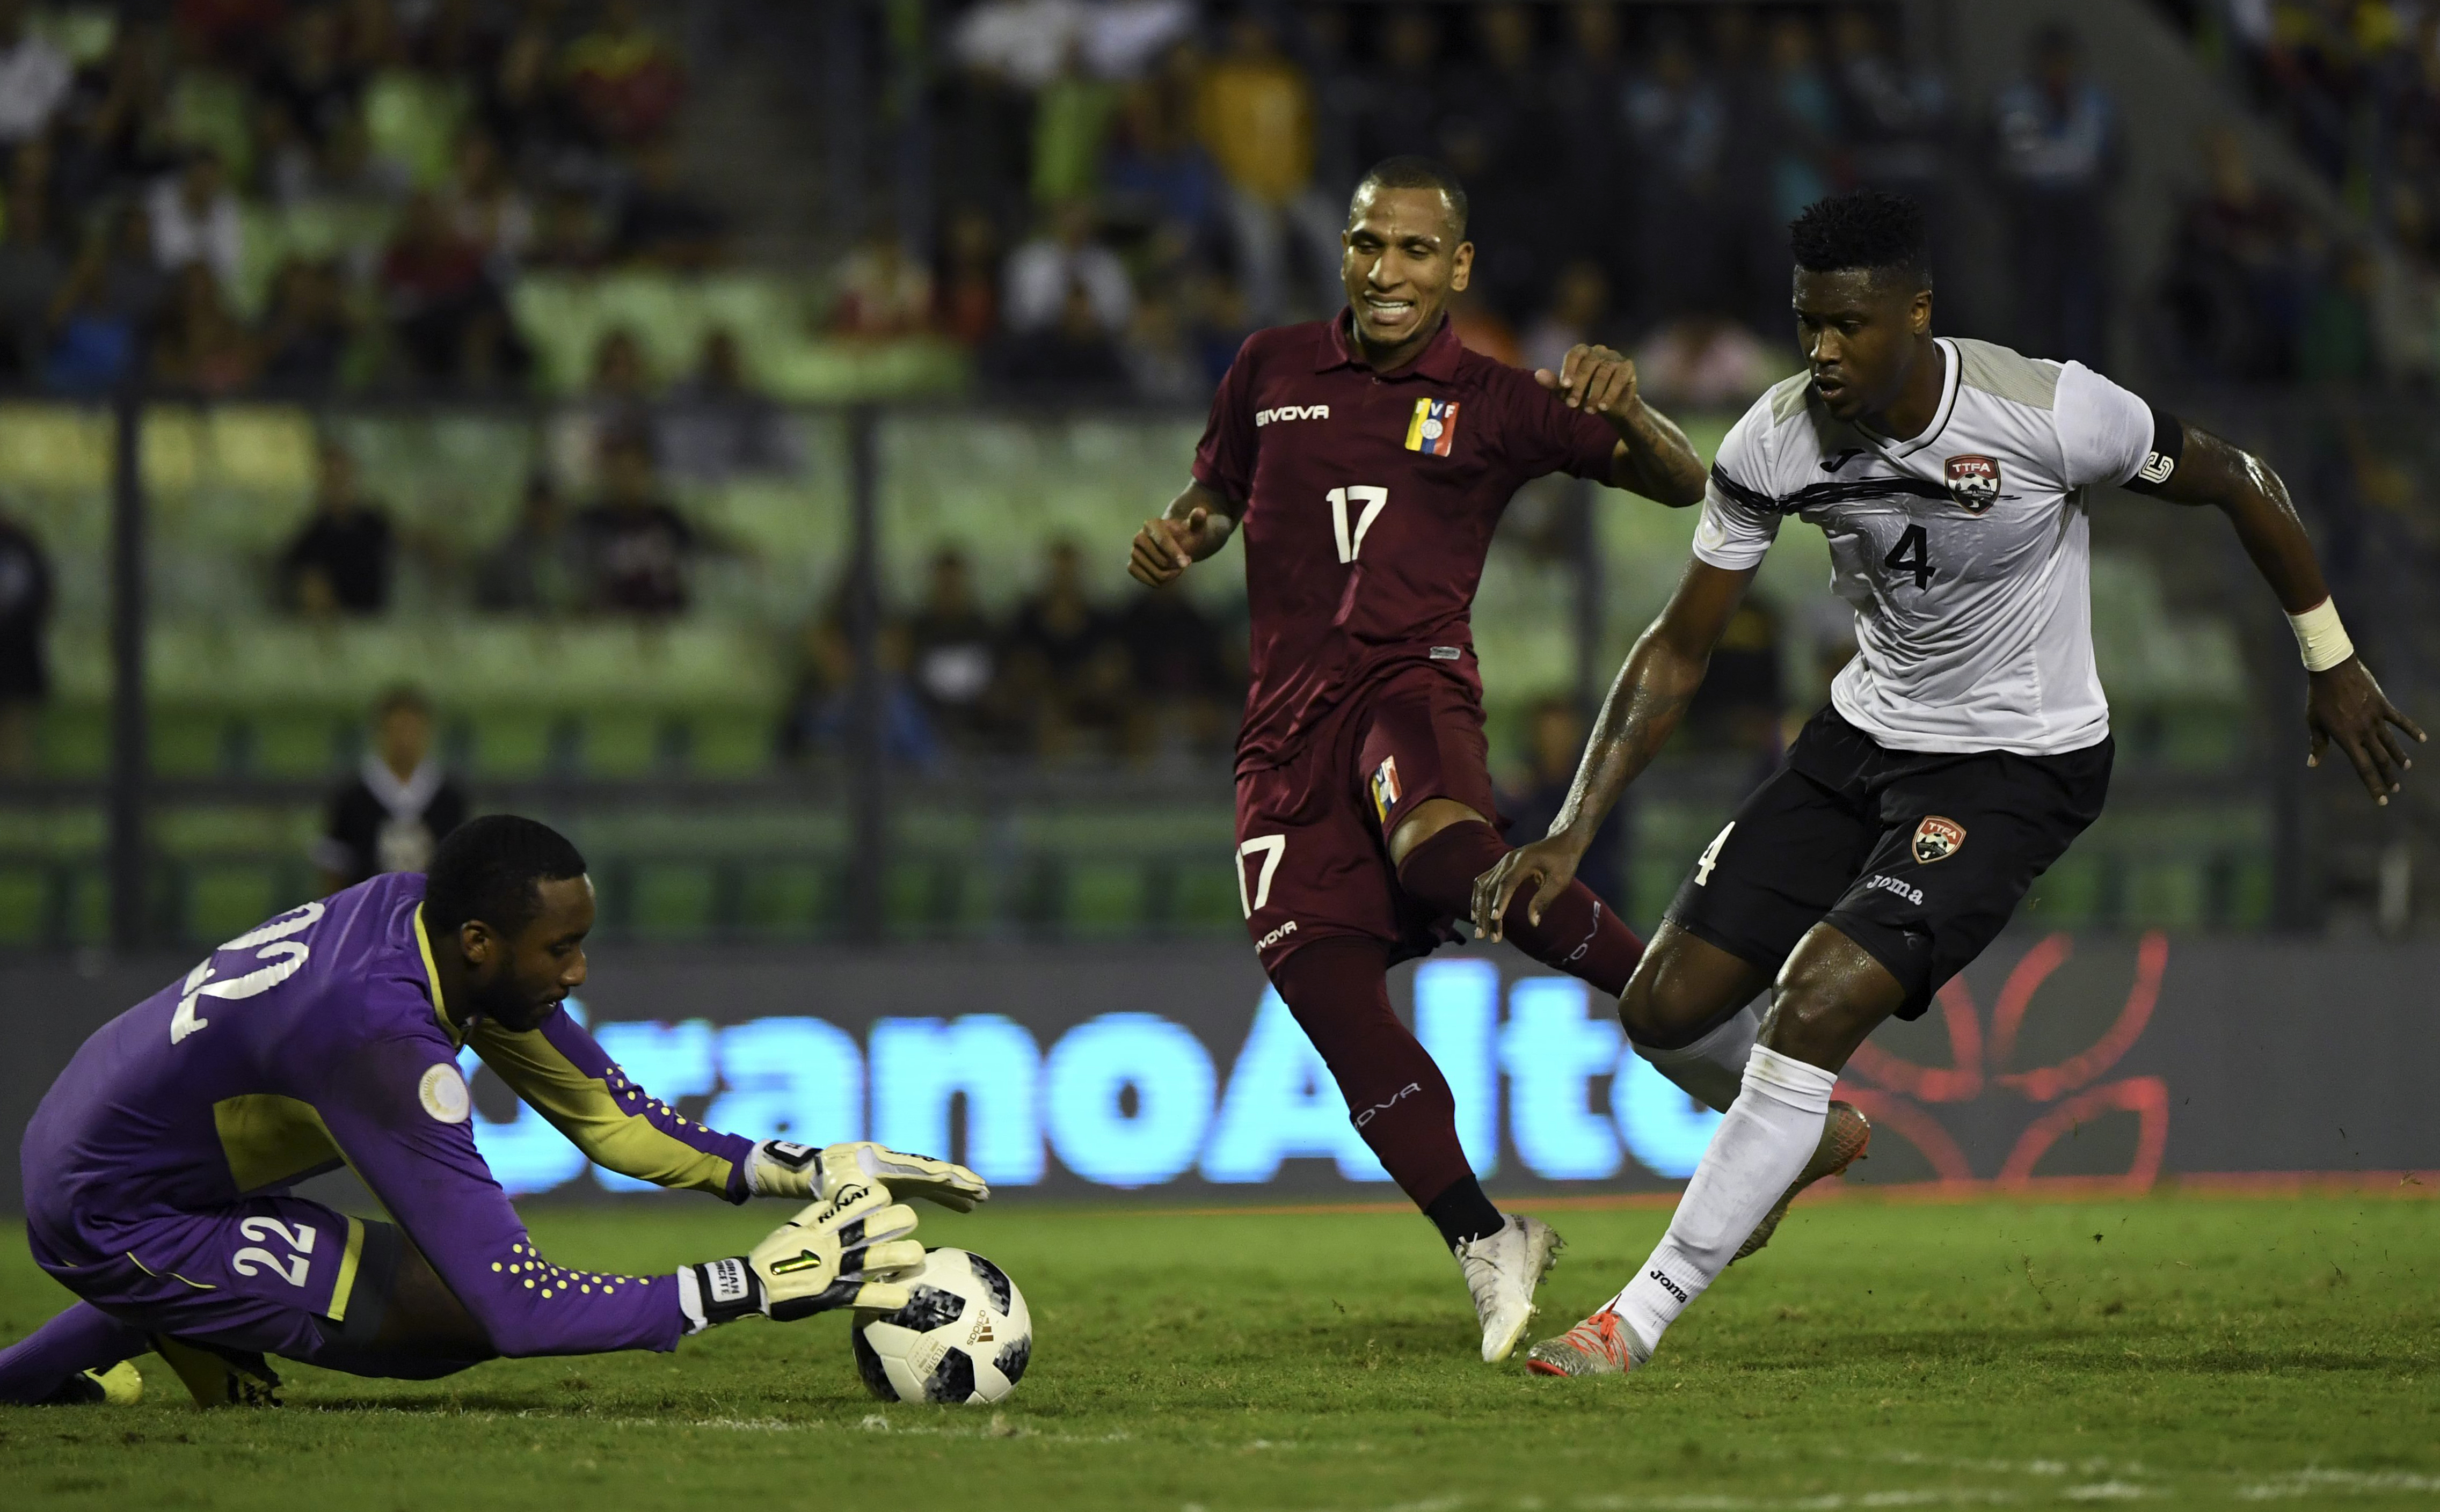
(1919, 857)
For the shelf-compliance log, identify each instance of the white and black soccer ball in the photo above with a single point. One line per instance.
(964, 1335)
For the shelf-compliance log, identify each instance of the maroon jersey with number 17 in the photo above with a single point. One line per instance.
(1370, 503)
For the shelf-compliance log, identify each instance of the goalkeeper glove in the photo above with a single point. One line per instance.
(806, 1174)
(851, 1252)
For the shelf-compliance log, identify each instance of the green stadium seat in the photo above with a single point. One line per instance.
(209, 109)
(413, 118)
(673, 902)
(72, 740)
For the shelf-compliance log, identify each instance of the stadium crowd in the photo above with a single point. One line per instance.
(408, 162)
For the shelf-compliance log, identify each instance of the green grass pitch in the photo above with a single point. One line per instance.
(2173, 1349)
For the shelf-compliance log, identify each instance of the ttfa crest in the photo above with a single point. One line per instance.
(1974, 483)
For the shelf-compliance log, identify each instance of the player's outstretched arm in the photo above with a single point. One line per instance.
(2344, 704)
(1644, 707)
(1654, 457)
(1196, 524)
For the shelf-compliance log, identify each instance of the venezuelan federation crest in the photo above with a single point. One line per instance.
(1937, 838)
(1433, 430)
(1974, 483)
(1385, 788)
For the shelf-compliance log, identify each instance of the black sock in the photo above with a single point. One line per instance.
(1462, 1213)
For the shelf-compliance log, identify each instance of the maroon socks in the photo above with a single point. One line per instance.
(1338, 988)
(1579, 934)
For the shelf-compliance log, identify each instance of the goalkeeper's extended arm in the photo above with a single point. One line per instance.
(849, 1250)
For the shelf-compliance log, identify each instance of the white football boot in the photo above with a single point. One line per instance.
(1501, 1270)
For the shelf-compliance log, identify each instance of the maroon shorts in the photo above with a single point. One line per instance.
(1313, 856)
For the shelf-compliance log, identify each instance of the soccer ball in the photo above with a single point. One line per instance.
(963, 1336)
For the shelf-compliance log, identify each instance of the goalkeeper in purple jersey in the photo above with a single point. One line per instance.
(159, 1167)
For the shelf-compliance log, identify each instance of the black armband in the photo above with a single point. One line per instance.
(2168, 447)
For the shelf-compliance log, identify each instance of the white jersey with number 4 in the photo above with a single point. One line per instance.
(1965, 550)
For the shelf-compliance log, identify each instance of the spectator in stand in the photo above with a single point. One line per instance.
(662, 223)
(1405, 104)
(1072, 115)
(2057, 154)
(569, 238)
(717, 425)
(1255, 117)
(2338, 345)
(1703, 360)
(1065, 663)
(636, 549)
(1578, 313)
(1177, 673)
(627, 84)
(24, 672)
(97, 320)
(195, 219)
(449, 318)
(1161, 356)
(1806, 131)
(621, 391)
(883, 294)
(1157, 179)
(518, 102)
(533, 569)
(1043, 273)
(310, 331)
(2240, 281)
(1555, 737)
(1587, 81)
(346, 173)
(116, 120)
(1480, 328)
(310, 77)
(954, 657)
(342, 562)
(822, 709)
(34, 77)
(1504, 141)
(967, 310)
(202, 350)
(1320, 44)
(1677, 119)
(1898, 115)
(1077, 354)
(31, 265)
(488, 209)
(400, 805)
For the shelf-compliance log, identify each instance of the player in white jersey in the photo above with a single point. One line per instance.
(1966, 746)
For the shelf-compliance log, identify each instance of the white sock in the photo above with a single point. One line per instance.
(1711, 1069)
(1760, 1146)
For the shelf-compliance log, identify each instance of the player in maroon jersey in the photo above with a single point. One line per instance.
(1365, 460)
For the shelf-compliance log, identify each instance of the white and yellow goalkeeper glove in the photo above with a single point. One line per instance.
(852, 1251)
(806, 1174)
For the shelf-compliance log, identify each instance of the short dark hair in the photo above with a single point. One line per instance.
(401, 696)
(1409, 170)
(1870, 229)
(492, 869)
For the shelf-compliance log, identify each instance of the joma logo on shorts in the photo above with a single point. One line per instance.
(1890, 884)
(1292, 411)
(1674, 1288)
(1276, 935)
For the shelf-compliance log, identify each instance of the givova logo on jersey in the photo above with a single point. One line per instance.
(1974, 483)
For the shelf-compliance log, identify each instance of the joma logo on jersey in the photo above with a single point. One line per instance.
(1974, 483)
(1433, 431)
(1385, 788)
(1937, 838)
(1292, 411)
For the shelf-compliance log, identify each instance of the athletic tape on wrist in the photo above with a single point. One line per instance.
(2321, 637)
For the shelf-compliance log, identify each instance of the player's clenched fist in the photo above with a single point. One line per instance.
(852, 1251)
(805, 1173)
(1593, 379)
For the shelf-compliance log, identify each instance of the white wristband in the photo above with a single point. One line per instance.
(2321, 637)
